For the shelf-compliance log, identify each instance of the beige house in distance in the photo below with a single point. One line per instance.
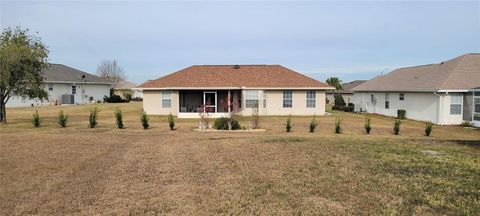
(274, 89)
(446, 93)
(346, 92)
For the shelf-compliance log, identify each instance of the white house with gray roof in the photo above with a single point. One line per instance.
(66, 85)
(446, 93)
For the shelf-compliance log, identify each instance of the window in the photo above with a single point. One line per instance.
(401, 96)
(387, 100)
(287, 99)
(166, 99)
(251, 98)
(477, 104)
(74, 89)
(311, 99)
(50, 87)
(455, 104)
(372, 98)
(264, 99)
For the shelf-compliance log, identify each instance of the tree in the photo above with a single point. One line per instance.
(335, 82)
(111, 71)
(22, 59)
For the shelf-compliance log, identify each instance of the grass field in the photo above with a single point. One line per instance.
(84, 171)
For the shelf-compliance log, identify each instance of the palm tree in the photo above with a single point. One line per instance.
(335, 82)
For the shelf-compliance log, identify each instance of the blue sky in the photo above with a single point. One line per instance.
(351, 40)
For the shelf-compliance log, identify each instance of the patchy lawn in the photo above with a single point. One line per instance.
(78, 170)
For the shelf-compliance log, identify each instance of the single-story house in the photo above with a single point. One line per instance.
(446, 93)
(346, 92)
(269, 89)
(123, 87)
(66, 85)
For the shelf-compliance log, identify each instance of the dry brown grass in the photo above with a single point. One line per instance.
(78, 170)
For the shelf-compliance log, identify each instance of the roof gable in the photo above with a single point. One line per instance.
(235, 76)
(459, 73)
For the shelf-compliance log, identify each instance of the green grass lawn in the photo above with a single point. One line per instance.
(84, 171)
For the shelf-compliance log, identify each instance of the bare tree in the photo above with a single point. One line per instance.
(110, 70)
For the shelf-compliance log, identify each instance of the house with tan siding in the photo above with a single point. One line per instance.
(218, 89)
(446, 93)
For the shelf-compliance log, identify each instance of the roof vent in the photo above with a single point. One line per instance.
(236, 67)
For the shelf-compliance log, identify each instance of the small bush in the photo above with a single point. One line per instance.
(467, 124)
(118, 118)
(144, 120)
(313, 125)
(289, 125)
(368, 124)
(92, 118)
(396, 126)
(222, 124)
(171, 121)
(428, 128)
(338, 125)
(62, 119)
(36, 119)
(113, 99)
(401, 114)
(339, 101)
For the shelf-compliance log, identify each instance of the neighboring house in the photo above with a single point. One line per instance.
(274, 89)
(123, 86)
(66, 85)
(346, 92)
(446, 93)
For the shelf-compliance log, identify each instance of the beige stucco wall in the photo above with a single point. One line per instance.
(448, 118)
(299, 105)
(152, 103)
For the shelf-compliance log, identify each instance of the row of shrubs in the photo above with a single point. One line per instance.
(219, 124)
(62, 119)
(367, 126)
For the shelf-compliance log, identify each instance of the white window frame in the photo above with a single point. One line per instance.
(167, 99)
(74, 89)
(401, 96)
(50, 86)
(456, 103)
(251, 98)
(264, 99)
(311, 102)
(387, 100)
(287, 102)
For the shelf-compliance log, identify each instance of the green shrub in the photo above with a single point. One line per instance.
(368, 124)
(338, 125)
(428, 128)
(222, 124)
(396, 126)
(339, 101)
(289, 125)
(313, 125)
(401, 114)
(36, 119)
(171, 121)
(467, 124)
(118, 118)
(62, 119)
(144, 120)
(92, 118)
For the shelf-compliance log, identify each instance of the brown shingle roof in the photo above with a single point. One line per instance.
(226, 76)
(347, 87)
(460, 73)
